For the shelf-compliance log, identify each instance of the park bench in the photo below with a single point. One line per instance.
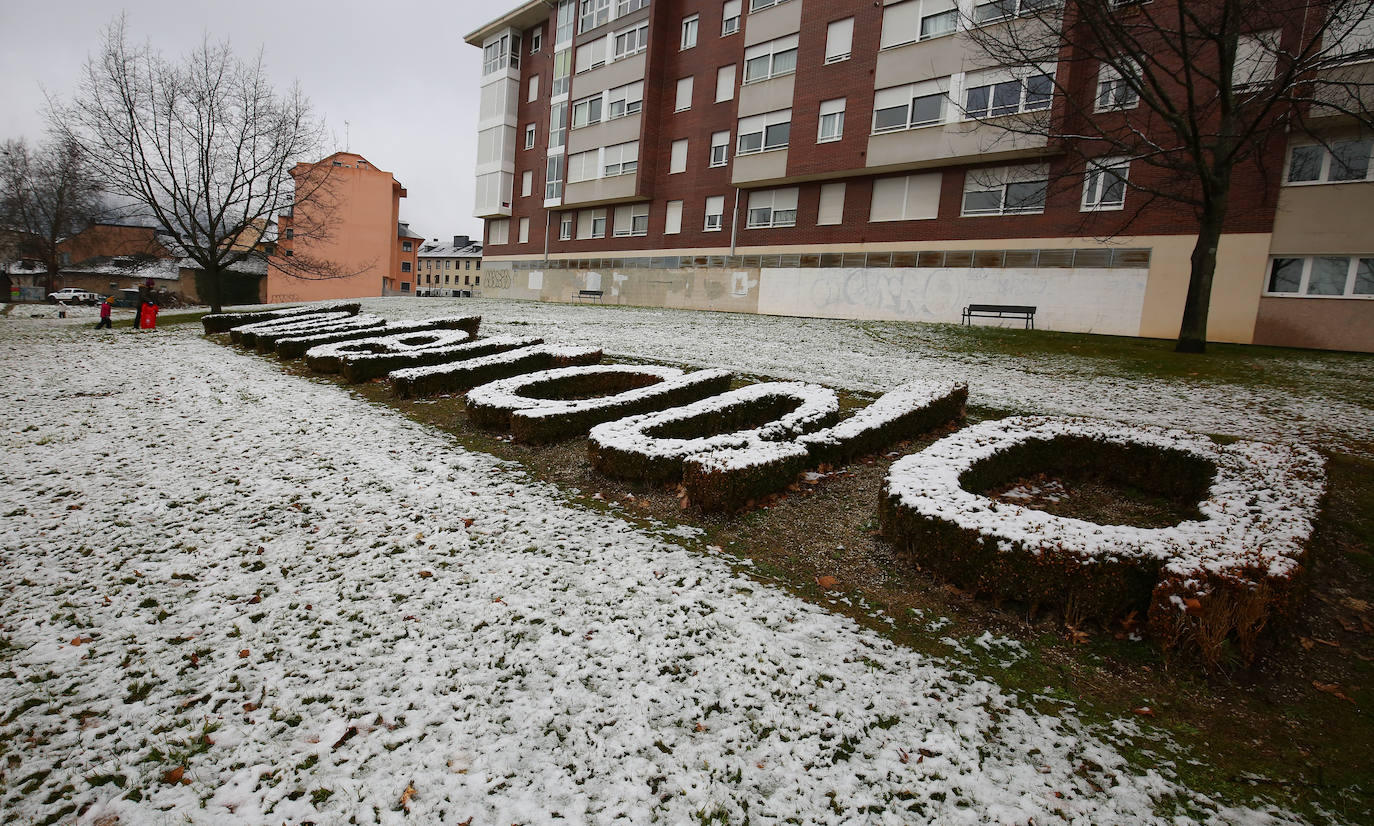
(1000, 311)
(590, 295)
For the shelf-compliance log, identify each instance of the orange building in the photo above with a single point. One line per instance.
(344, 239)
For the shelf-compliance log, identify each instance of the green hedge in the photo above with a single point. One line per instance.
(224, 322)
(459, 378)
(294, 348)
(375, 365)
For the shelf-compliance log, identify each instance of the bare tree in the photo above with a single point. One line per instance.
(1176, 100)
(46, 194)
(205, 145)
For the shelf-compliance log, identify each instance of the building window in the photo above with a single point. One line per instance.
(677, 159)
(553, 178)
(715, 213)
(831, 210)
(590, 55)
(916, 20)
(993, 10)
(598, 223)
(1007, 97)
(584, 166)
(534, 89)
(625, 100)
(405, 286)
(755, 5)
(290, 233)
(672, 218)
(586, 111)
(689, 31)
(684, 94)
(529, 136)
(725, 83)
(839, 37)
(406, 246)
(762, 133)
(498, 232)
(1116, 90)
(1322, 275)
(565, 226)
(624, 7)
(524, 230)
(771, 59)
(911, 106)
(288, 253)
(631, 220)
(558, 124)
(536, 41)
(831, 121)
(1007, 190)
(1339, 161)
(1104, 184)
(729, 17)
(632, 41)
(526, 183)
(907, 198)
(1257, 59)
(405, 266)
(562, 69)
(594, 13)
(500, 54)
(772, 208)
(720, 148)
(621, 159)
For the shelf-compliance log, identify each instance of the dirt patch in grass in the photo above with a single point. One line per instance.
(1293, 728)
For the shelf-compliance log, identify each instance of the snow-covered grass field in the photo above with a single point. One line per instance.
(238, 596)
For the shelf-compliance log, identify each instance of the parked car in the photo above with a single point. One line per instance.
(71, 295)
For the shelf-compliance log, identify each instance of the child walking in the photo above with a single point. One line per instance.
(105, 315)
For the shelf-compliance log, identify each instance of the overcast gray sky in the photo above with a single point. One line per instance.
(398, 72)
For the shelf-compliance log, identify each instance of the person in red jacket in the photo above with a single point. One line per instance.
(105, 315)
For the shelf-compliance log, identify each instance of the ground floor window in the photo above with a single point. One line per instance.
(1322, 275)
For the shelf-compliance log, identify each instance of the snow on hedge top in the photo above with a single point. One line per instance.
(390, 328)
(527, 347)
(398, 343)
(508, 394)
(1259, 510)
(226, 321)
(632, 434)
(889, 407)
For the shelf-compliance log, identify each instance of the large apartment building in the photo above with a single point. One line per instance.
(835, 159)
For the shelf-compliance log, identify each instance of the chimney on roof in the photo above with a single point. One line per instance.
(460, 241)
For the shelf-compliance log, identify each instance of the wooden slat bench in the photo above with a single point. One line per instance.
(589, 295)
(1000, 311)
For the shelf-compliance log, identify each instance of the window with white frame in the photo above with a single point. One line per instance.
(590, 55)
(993, 94)
(631, 219)
(625, 100)
(720, 148)
(632, 41)
(598, 223)
(729, 17)
(1335, 161)
(990, 11)
(916, 20)
(725, 83)
(906, 198)
(621, 159)
(584, 224)
(683, 101)
(624, 7)
(1257, 59)
(536, 41)
(831, 127)
(715, 213)
(565, 226)
(1332, 276)
(586, 111)
(524, 230)
(567, 13)
(584, 166)
(498, 232)
(558, 124)
(594, 13)
(761, 133)
(1116, 86)
(772, 59)
(677, 158)
(1104, 184)
(839, 39)
(534, 89)
(553, 177)
(526, 183)
(562, 70)
(1006, 190)
(772, 208)
(1350, 32)
(501, 53)
(689, 31)
(910, 106)
(672, 218)
(831, 210)
(755, 5)
(529, 136)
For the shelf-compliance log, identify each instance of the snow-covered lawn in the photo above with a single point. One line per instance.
(1314, 398)
(308, 608)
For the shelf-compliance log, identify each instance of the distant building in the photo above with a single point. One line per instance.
(351, 233)
(450, 269)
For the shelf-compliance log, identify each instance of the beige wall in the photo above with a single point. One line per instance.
(776, 21)
(1327, 323)
(939, 145)
(766, 96)
(606, 133)
(1241, 262)
(617, 73)
(1324, 218)
(759, 168)
(600, 191)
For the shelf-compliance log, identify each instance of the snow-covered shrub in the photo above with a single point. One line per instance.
(265, 341)
(652, 447)
(557, 404)
(223, 322)
(329, 358)
(246, 335)
(413, 382)
(1225, 574)
(295, 347)
(411, 350)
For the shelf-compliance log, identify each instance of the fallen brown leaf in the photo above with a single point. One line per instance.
(426, 574)
(1334, 689)
(243, 653)
(174, 775)
(408, 795)
(827, 582)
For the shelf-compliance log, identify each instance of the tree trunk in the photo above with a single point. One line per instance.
(50, 281)
(1192, 333)
(212, 284)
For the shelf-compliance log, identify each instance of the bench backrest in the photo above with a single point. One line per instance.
(1000, 308)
